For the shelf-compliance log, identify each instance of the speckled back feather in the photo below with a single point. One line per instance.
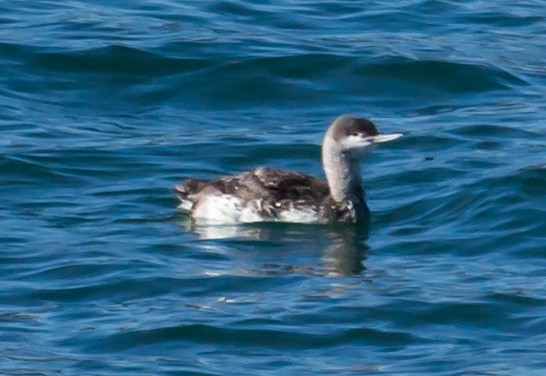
(270, 191)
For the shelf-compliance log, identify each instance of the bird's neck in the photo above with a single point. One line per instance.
(342, 173)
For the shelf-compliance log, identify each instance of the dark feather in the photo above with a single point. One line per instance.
(276, 190)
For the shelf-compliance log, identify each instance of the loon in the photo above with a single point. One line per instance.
(267, 194)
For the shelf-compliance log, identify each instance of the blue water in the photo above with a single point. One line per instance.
(106, 105)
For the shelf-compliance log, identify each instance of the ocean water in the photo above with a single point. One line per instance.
(106, 105)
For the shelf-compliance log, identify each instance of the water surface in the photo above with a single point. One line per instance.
(107, 105)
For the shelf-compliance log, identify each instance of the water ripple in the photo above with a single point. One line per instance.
(106, 106)
(252, 338)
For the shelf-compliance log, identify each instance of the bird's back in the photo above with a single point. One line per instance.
(260, 194)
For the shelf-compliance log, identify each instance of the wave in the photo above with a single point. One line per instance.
(258, 337)
(457, 76)
(117, 59)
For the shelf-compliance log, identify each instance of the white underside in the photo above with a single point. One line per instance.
(227, 209)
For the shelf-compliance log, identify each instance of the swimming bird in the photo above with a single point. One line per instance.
(268, 194)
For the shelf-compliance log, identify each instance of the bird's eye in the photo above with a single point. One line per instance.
(356, 134)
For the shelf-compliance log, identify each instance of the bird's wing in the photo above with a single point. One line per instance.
(280, 186)
(274, 189)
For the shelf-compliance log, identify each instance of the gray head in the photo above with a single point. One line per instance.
(356, 136)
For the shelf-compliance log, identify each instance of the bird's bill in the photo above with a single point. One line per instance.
(385, 137)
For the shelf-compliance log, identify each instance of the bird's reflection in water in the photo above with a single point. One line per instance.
(346, 254)
(341, 247)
